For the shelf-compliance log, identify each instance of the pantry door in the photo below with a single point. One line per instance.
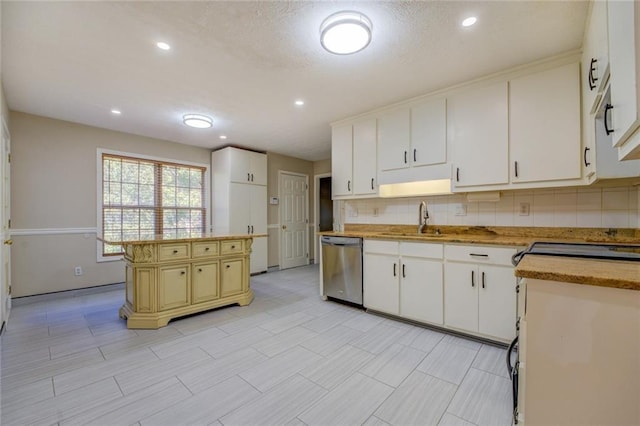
(294, 219)
(5, 222)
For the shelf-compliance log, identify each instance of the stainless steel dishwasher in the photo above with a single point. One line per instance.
(342, 268)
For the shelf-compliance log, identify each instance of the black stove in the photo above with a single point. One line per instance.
(584, 250)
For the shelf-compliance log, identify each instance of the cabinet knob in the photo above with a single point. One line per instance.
(284, 226)
(228, 266)
(199, 269)
(8, 242)
(182, 272)
(206, 249)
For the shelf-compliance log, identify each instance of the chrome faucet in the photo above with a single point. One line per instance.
(423, 217)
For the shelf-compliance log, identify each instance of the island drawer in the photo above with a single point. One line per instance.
(204, 249)
(173, 251)
(231, 246)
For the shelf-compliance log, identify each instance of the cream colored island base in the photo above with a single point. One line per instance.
(167, 279)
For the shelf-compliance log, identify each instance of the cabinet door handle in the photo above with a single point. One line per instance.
(482, 279)
(394, 269)
(251, 177)
(405, 157)
(248, 229)
(252, 229)
(515, 163)
(457, 174)
(248, 177)
(607, 129)
(404, 275)
(349, 185)
(371, 183)
(414, 155)
(473, 279)
(592, 79)
(478, 255)
(584, 156)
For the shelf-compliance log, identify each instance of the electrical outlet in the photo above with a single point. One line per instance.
(524, 209)
(461, 209)
(77, 271)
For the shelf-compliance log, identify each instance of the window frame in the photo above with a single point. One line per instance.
(100, 257)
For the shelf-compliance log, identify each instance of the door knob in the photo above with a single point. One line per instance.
(8, 242)
(284, 226)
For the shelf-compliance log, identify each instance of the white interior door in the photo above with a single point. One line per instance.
(5, 232)
(294, 223)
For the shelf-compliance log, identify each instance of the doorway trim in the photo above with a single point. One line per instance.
(316, 214)
(280, 212)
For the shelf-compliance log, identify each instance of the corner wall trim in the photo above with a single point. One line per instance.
(52, 231)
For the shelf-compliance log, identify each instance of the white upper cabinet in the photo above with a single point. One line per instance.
(595, 57)
(341, 160)
(394, 139)
(248, 166)
(353, 159)
(412, 143)
(364, 157)
(544, 125)
(429, 133)
(478, 132)
(624, 53)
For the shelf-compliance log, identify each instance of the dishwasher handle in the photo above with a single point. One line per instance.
(342, 241)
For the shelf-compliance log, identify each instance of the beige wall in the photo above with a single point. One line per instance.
(321, 167)
(275, 163)
(53, 188)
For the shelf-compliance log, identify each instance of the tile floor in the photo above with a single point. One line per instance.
(288, 358)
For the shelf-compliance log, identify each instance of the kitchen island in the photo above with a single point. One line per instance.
(167, 278)
(579, 343)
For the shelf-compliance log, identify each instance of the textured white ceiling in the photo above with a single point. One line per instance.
(245, 63)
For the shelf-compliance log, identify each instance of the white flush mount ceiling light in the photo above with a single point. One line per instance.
(299, 102)
(345, 32)
(469, 21)
(116, 111)
(223, 137)
(162, 45)
(198, 121)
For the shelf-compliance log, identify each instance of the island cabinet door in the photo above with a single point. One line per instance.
(140, 288)
(173, 287)
(204, 282)
(231, 277)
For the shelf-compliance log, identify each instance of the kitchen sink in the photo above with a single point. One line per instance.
(410, 234)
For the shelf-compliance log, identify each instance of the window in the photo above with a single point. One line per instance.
(142, 198)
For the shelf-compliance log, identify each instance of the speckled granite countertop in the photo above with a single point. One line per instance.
(603, 273)
(494, 235)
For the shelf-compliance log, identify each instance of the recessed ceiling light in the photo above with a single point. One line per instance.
(116, 111)
(223, 137)
(198, 121)
(162, 45)
(299, 102)
(469, 21)
(345, 32)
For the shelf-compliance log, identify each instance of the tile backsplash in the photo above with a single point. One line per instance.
(617, 207)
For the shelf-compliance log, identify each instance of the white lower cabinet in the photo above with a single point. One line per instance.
(404, 279)
(480, 291)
